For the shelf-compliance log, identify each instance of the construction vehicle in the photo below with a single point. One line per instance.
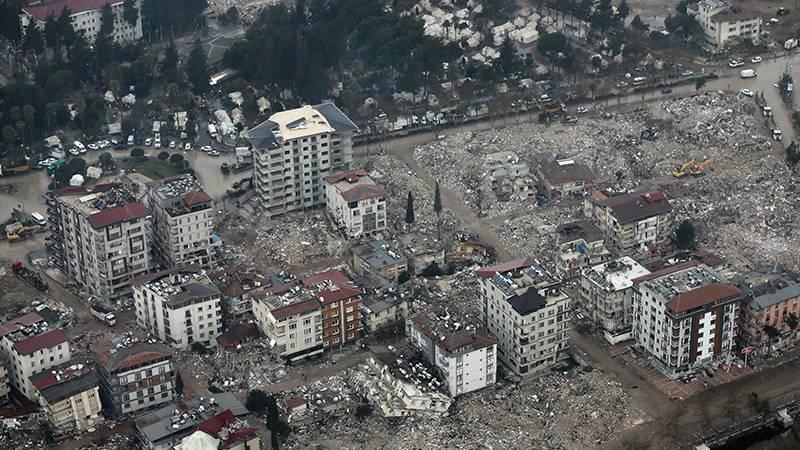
(680, 173)
(29, 276)
(15, 170)
(700, 169)
(18, 231)
(102, 313)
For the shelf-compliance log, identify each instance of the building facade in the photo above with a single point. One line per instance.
(684, 318)
(383, 311)
(86, 18)
(463, 352)
(5, 386)
(356, 203)
(723, 23)
(607, 296)
(294, 150)
(31, 347)
(182, 222)
(134, 378)
(70, 397)
(98, 236)
(771, 303)
(528, 314)
(580, 245)
(380, 258)
(631, 222)
(181, 306)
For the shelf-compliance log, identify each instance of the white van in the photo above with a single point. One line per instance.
(38, 218)
(130, 140)
(78, 145)
(747, 73)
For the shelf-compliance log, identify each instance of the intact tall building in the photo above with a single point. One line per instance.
(527, 312)
(86, 17)
(98, 236)
(182, 222)
(181, 306)
(294, 150)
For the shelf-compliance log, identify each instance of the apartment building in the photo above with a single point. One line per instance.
(70, 397)
(305, 317)
(5, 386)
(528, 314)
(98, 236)
(563, 177)
(31, 347)
(724, 23)
(382, 310)
(769, 300)
(462, 350)
(86, 17)
(294, 150)
(182, 222)
(238, 284)
(181, 306)
(380, 258)
(580, 245)
(134, 378)
(356, 203)
(684, 317)
(631, 222)
(607, 296)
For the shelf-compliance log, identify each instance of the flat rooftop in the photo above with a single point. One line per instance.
(108, 203)
(379, 254)
(515, 277)
(616, 275)
(180, 194)
(179, 284)
(454, 333)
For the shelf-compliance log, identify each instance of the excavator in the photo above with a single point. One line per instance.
(680, 173)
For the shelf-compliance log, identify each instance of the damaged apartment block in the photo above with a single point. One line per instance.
(527, 312)
(638, 221)
(356, 203)
(563, 177)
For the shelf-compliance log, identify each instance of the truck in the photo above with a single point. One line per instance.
(103, 313)
(748, 73)
(29, 276)
(790, 44)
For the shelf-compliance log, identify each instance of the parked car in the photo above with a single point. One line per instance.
(581, 110)
(687, 73)
(93, 146)
(205, 148)
(74, 151)
(622, 84)
(570, 119)
(187, 146)
(777, 135)
(748, 73)
(213, 153)
(734, 63)
(756, 59)
(172, 144)
(666, 90)
(148, 142)
(746, 92)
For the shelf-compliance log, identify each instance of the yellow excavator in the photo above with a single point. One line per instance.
(700, 169)
(680, 173)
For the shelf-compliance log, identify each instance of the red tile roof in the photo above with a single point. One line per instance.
(216, 424)
(335, 276)
(346, 175)
(337, 294)
(196, 198)
(333, 286)
(85, 190)
(362, 192)
(46, 379)
(75, 6)
(42, 341)
(488, 272)
(19, 323)
(294, 402)
(636, 206)
(703, 295)
(295, 309)
(111, 216)
(130, 357)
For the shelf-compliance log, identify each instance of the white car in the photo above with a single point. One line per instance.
(544, 98)
(734, 63)
(93, 146)
(187, 146)
(46, 162)
(622, 84)
(172, 144)
(746, 92)
(687, 73)
(756, 59)
(78, 145)
(148, 142)
(213, 153)
(103, 144)
(82, 150)
(205, 148)
(74, 152)
(581, 110)
(777, 135)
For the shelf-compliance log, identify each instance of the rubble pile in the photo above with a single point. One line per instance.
(534, 233)
(458, 294)
(576, 410)
(456, 163)
(252, 367)
(397, 179)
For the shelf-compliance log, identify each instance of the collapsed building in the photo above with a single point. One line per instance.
(380, 258)
(684, 317)
(461, 350)
(580, 245)
(509, 177)
(69, 394)
(525, 309)
(607, 296)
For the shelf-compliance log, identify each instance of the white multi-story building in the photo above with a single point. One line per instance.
(723, 23)
(98, 236)
(182, 222)
(684, 317)
(294, 150)
(5, 387)
(181, 306)
(134, 378)
(526, 311)
(31, 347)
(70, 397)
(607, 296)
(357, 204)
(464, 353)
(86, 17)
(631, 222)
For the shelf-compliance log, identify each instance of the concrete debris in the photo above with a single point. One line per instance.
(252, 367)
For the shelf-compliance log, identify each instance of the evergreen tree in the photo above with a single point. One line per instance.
(179, 384)
(130, 12)
(685, 235)
(623, 10)
(33, 38)
(410, 209)
(437, 208)
(197, 69)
